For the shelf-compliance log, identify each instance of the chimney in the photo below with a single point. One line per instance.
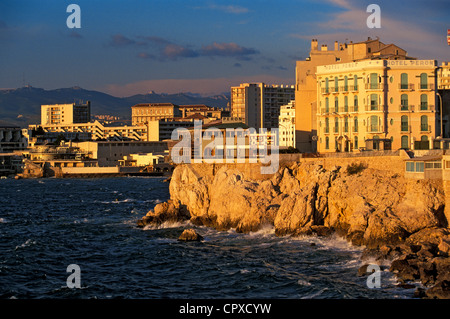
(324, 47)
(336, 46)
(314, 45)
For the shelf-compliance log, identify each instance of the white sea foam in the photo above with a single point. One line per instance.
(167, 225)
(3, 220)
(27, 243)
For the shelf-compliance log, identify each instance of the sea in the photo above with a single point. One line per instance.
(78, 239)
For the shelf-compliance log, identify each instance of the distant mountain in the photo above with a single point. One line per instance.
(22, 106)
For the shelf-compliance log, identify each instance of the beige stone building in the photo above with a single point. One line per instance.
(258, 104)
(306, 84)
(444, 76)
(377, 104)
(55, 114)
(146, 112)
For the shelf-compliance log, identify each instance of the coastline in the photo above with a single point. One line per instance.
(399, 221)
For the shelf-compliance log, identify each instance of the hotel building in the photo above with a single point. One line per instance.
(258, 104)
(378, 104)
(306, 83)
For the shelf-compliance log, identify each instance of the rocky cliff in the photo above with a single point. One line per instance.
(369, 207)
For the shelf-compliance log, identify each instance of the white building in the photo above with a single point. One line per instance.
(286, 125)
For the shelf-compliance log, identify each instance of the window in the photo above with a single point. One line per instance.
(355, 80)
(356, 142)
(373, 102)
(327, 105)
(336, 125)
(404, 102)
(423, 102)
(336, 84)
(405, 142)
(326, 86)
(336, 104)
(327, 125)
(404, 123)
(355, 103)
(345, 103)
(373, 80)
(419, 166)
(346, 83)
(346, 124)
(327, 143)
(404, 81)
(374, 123)
(424, 123)
(423, 81)
(355, 126)
(410, 166)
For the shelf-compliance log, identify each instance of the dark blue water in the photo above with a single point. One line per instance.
(48, 224)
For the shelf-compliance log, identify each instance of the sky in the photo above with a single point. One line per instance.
(203, 46)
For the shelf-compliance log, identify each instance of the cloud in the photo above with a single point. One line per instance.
(119, 40)
(175, 51)
(75, 35)
(234, 9)
(227, 49)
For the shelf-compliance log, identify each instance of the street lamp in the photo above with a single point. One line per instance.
(440, 111)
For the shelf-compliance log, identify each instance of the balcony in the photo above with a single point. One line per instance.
(405, 128)
(406, 87)
(374, 108)
(406, 108)
(325, 90)
(374, 86)
(425, 128)
(426, 87)
(375, 129)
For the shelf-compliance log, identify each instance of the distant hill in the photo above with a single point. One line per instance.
(22, 106)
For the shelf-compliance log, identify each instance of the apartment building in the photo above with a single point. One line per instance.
(377, 104)
(258, 104)
(95, 131)
(286, 125)
(444, 76)
(146, 112)
(306, 84)
(55, 114)
(11, 139)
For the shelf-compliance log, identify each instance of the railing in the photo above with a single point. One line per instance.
(374, 86)
(408, 86)
(425, 128)
(375, 128)
(429, 86)
(405, 128)
(406, 108)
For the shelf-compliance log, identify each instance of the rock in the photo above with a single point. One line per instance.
(444, 247)
(439, 291)
(190, 235)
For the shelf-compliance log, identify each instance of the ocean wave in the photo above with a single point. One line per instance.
(3, 220)
(167, 225)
